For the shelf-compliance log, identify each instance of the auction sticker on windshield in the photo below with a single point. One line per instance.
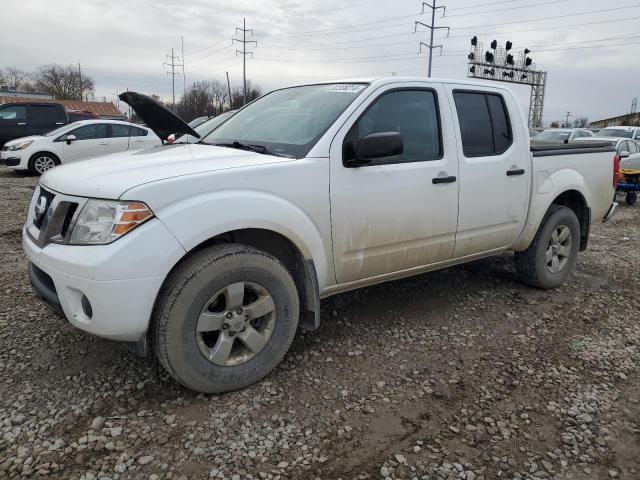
(346, 88)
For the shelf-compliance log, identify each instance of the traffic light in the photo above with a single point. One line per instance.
(491, 72)
(474, 41)
(472, 56)
(509, 46)
(510, 60)
(494, 45)
(488, 56)
(472, 69)
(528, 62)
(507, 74)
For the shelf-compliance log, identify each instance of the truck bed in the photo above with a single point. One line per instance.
(545, 149)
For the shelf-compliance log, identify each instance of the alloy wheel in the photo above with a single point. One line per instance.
(235, 324)
(559, 249)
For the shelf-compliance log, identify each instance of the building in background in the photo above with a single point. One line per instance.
(629, 120)
(105, 110)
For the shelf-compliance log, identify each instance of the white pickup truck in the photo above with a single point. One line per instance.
(214, 253)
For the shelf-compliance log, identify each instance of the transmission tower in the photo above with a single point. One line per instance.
(173, 64)
(431, 28)
(244, 54)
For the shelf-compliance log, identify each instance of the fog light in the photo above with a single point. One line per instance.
(86, 307)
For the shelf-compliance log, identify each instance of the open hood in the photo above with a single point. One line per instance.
(156, 116)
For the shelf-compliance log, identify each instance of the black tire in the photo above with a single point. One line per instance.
(532, 268)
(631, 198)
(189, 289)
(34, 164)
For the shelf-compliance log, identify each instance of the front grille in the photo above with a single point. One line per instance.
(53, 217)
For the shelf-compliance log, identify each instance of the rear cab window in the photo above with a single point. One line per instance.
(484, 121)
(46, 114)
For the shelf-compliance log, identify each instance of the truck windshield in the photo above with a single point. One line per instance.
(286, 122)
(615, 132)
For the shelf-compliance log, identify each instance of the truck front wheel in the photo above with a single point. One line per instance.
(225, 318)
(552, 255)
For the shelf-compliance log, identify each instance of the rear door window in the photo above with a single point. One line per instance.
(45, 114)
(118, 130)
(484, 123)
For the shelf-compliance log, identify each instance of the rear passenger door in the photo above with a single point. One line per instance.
(494, 177)
(400, 212)
(120, 137)
(44, 118)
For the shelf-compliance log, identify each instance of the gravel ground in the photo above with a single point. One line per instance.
(459, 374)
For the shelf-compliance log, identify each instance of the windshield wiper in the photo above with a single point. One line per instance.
(246, 146)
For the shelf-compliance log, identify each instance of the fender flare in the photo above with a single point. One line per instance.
(547, 188)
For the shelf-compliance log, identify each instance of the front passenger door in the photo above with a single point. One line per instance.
(91, 141)
(396, 213)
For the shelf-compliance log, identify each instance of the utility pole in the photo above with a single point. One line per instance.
(568, 114)
(184, 76)
(173, 74)
(432, 28)
(229, 87)
(244, 54)
(80, 81)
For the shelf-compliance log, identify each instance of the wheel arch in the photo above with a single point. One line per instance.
(573, 197)
(301, 268)
(32, 158)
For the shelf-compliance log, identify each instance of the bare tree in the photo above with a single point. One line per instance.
(64, 83)
(16, 79)
(581, 122)
(211, 98)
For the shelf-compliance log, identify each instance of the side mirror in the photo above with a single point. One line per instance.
(71, 138)
(624, 154)
(377, 145)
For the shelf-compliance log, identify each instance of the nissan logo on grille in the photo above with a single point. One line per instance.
(41, 208)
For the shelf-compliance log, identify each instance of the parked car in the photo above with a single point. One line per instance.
(563, 135)
(206, 128)
(213, 253)
(629, 149)
(74, 142)
(77, 115)
(620, 132)
(19, 120)
(198, 121)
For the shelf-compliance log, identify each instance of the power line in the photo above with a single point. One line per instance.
(432, 27)
(551, 2)
(244, 54)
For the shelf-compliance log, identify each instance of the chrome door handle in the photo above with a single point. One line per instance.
(21, 123)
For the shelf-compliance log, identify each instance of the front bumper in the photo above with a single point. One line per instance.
(106, 290)
(611, 212)
(10, 159)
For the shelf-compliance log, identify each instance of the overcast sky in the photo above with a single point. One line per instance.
(589, 47)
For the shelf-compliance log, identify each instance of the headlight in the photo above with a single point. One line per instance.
(103, 221)
(19, 146)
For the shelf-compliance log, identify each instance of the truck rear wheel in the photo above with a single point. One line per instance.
(226, 317)
(552, 255)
